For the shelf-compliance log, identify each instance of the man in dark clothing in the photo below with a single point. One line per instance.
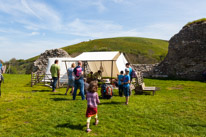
(79, 81)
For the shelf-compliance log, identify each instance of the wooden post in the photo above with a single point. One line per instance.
(31, 79)
(66, 67)
(111, 71)
(44, 78)
(84, 68)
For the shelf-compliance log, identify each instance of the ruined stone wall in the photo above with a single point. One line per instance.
(40, 64)
(146, 69)
(186, 58)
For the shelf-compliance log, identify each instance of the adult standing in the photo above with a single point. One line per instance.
(70, 78)
(130, 70)
(126, 85)
(55, 72)
(1, 71)
(79, 81)
(1, 67)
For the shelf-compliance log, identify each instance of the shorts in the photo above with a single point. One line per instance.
(71, 82)
(126, 91)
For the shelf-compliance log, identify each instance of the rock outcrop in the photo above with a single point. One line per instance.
(40, 64)
(186, 58)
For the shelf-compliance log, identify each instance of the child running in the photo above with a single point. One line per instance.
(92, 102)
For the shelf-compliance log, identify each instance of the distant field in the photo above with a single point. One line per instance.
(177, 109)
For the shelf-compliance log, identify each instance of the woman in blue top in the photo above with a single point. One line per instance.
(126, 85)
(70, 78)
(120, 79)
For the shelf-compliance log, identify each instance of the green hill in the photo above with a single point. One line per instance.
(138, 50)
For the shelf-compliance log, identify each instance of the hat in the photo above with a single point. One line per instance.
(127, 69)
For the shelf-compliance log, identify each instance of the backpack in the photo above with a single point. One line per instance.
(107, 91)
(78, 72)
(133, 74)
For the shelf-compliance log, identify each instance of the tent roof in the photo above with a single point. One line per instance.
(96, 56)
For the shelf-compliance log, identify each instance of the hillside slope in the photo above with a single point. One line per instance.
(138, 50)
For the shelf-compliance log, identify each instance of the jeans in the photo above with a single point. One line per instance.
(55, 79)
(120, 90)
(79, 84)
(126, 91)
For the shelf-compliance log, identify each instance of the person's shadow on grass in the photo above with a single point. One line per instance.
(112, 102)
(41, 90)
(68, 125)
(61, 99)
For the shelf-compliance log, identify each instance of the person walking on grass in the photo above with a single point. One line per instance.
(130, 69)
(126, 85)
(55, 72)
(92, 102)
(70, 78)
(79, 82)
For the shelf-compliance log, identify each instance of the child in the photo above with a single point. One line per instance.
(86, 86)
(126, 85)
(70, 78)
(92, 101)
(120, 79)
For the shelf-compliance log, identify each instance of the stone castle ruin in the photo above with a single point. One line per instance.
(40, 64)
(186, 58)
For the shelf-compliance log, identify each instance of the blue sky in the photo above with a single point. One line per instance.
(29, 27)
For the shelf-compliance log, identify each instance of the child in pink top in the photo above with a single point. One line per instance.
(92, 102)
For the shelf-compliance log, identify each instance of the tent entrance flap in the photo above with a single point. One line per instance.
(109, 68)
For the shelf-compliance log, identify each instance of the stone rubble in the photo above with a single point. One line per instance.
(40, 64)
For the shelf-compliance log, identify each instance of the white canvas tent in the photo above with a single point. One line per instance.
(112, 62)
(63, 71)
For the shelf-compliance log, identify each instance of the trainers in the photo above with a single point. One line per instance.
(97, 122)
(88, 130)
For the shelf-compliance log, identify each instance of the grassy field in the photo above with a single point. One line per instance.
(177, 109)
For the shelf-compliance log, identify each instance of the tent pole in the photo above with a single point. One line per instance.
(111, 71)
(84, 67)
(66, 68)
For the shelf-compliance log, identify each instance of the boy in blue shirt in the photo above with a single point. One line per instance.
(126, 85)
(120, 79)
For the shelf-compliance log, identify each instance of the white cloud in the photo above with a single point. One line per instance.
(24, 3)
(34, 33)
(118, 1)
(99, 5)
(33, 14)
(98, 29)
(24, 50)
(161, 30)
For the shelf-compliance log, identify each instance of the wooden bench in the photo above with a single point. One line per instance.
(153, 89)
(140, 86)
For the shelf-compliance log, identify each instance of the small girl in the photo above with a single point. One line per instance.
(92, 101)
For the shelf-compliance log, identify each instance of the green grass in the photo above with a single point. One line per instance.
(196, 21)
(177, 109)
